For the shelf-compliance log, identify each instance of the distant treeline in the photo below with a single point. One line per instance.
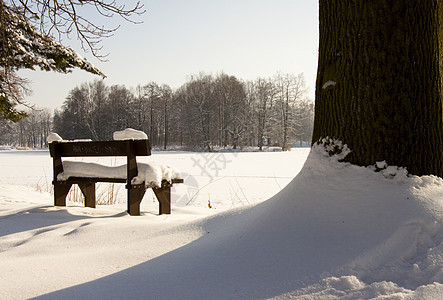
(31, 132)
(207, 111)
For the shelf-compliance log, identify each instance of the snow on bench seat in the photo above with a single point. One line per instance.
(150, 174)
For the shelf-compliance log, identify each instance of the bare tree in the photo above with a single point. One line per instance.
(96, 94)
(264, 93)
(152, 96)
(199, 92)
(232, 107)
(166, 98)
(140, 109)
(120, 100)
(290, 89)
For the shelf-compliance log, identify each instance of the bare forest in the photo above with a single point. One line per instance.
(206, 113)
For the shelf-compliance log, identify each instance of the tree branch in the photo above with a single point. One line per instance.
(62, 18)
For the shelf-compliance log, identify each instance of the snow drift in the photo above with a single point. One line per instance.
(336, 231)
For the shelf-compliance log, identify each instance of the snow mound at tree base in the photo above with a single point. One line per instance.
(385, 228)
(336, 231)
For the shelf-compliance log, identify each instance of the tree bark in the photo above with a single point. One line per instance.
(379, 82)
(440, 42)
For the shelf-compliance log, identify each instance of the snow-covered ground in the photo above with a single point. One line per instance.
(334, 231)
(226, 180)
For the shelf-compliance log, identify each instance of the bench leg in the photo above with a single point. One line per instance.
(135, 197)
(88, 190)
(163, 195)
(61, 190)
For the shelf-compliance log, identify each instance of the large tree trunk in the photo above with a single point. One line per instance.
(440, 40)
(378, 83)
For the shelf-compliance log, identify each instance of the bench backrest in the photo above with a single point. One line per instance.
(128, 148)
(100, 148)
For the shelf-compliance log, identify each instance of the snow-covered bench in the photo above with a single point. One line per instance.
(137, 176)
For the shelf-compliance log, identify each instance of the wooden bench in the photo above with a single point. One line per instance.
(129, 148)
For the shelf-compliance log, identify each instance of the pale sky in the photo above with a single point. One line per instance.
(179, 38)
